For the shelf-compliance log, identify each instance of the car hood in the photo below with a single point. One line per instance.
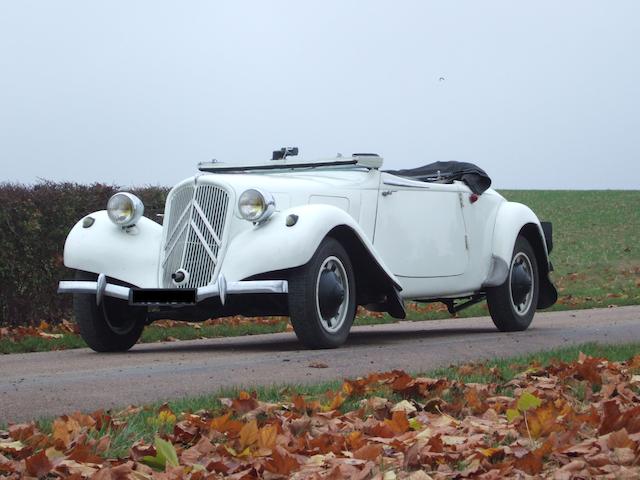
(341, 188)
(290, 182)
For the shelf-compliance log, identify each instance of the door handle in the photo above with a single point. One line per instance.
(386, 193)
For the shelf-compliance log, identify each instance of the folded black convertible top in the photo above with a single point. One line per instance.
(472, 175)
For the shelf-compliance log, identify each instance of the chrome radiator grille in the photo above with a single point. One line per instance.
(194, 233)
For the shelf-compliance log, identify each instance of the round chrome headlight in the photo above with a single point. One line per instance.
(125, 209)
(256, 206)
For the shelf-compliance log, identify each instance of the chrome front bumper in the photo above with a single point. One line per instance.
(221, 288)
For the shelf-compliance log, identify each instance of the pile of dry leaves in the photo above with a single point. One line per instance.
(43, 330)
(567, 420)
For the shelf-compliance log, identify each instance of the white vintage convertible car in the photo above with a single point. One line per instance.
(312, 241)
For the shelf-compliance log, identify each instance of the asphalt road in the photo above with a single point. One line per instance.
(33, 385)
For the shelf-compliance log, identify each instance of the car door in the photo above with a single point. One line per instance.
(420, 230)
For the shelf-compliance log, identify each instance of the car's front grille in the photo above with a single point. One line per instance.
(194, 232)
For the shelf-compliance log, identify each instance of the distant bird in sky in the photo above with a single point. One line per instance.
(441, 79)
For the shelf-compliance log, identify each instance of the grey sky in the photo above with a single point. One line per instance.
(542, 95)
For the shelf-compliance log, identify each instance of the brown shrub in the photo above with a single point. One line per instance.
(34, 222)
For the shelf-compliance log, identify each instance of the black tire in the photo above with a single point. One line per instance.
(512, 305)
(113, 326)
(314, 291)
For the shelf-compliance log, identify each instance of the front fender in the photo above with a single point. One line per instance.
(129, 255)
(275, 246)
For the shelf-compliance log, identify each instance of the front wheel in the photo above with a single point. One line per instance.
(322, 297)
(513, 304)
(112, 326)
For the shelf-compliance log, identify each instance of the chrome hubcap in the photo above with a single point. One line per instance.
(521, 283)
(332, 294)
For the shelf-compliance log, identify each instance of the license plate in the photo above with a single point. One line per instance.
(163, 296)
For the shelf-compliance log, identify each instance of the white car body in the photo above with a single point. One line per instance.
(425, 240)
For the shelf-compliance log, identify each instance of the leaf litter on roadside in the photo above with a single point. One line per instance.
(563, 421)
(42, 330)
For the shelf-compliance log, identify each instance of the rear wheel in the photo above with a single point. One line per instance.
(513, 304)
(112, 326)
(322, 297)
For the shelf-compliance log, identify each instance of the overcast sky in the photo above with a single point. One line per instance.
(542, 95)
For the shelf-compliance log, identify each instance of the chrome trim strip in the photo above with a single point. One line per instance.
(403, 182)
(174, 241)
(203, 240)
(203, 217)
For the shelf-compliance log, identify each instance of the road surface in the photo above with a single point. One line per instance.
(33, 385)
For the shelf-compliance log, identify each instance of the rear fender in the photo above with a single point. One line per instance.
(515, 219)
(130, 255)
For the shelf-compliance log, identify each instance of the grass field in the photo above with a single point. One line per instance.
(596, 244)
(596, 258)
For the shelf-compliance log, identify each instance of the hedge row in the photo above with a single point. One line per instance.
(34, 222)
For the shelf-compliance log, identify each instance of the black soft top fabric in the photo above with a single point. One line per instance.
(472, 175)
